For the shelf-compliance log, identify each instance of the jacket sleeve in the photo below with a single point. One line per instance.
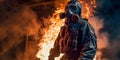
(54, 52)
(90, 46)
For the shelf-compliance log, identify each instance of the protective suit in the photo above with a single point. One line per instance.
(77, 39)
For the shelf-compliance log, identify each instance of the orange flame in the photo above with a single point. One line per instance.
(51, 32)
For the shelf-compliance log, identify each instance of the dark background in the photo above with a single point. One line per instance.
(13, 22)
(109, 10)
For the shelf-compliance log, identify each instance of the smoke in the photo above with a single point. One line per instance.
(15, 21)
(109, 11)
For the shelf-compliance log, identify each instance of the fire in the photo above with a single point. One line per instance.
(88, 8)
(51, 32)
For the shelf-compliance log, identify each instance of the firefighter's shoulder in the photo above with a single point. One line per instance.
(85, 22)
(85, 19)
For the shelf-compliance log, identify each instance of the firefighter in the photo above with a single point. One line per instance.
(76, 39)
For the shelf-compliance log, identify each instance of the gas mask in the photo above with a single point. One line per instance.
(72, 11)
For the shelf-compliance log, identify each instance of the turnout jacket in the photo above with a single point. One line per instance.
(76, 41)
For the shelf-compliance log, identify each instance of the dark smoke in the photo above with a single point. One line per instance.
(109, 10)
(20, 20)
(12, 37)
(17, 22)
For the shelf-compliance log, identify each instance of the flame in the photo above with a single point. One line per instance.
(50, 33)
(88, 8)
